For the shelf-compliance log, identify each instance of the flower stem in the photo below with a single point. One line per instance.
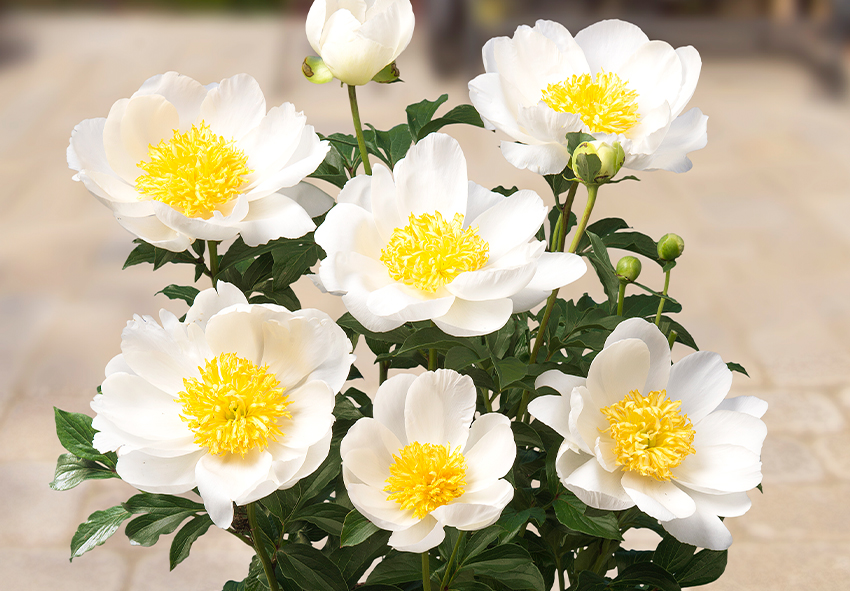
(426, 572)
(620, 297)
(268, 568)
(432, 359)
(445, 584)
(358, 128)
(383, 370)
(671, 338)
(212, 246)
(663, 293)
(592, 190)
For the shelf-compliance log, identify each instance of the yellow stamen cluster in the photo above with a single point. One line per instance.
(605, 103)
(650, 434)
(235, 406)
(426, 476)
(430, 251)
(194, 172)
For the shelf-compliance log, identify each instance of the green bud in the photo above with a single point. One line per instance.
(670, 247)
(388, 75)
(595, 163)
(315, 70)
(628, 268)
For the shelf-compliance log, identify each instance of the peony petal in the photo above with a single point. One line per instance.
(421, 537)
(492, 283)
(662, 500)
(491, 455)
(557, 269)
(542, 159)
(272, 217)
(488, 98)
(558, 380)
(311, 406)
(154, 232)
(467, 319)
(137, 407)
(273, 141)
(474, 511)
(85, 149)
(700, 529)
(316, 455)
(349, 228)
(185, 93)
(656, 342)
(480, 200)
(355, 301)
(408, 303)
(439, 408)
(552, 411)
(726, 427)
(432, 177)
(720, 469)
(511, 222)
(654, 71)
(309, 154)
(373, 504)
(701, 381)
(687, 133)
(174, 475)
(316, 17)
(239, 330)
(746, 404)
(385, 203)
(591, 483)
(358, 190)
(618, 370)
(346, 271)
(609, 43)
(222, 479)
(352, 57)
(389, 403)
(371, 435)
(210, 302)
(234, 107)
(310, 197)
(691, 66)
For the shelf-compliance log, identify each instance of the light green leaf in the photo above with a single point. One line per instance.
(98, 528)
(71, 471)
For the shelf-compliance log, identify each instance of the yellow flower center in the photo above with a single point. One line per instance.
(426, 476)
(650, 434)
(605, 103)
(430, 251)
(193, 172)
(235, 406)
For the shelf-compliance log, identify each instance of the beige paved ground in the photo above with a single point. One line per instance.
(765, 279)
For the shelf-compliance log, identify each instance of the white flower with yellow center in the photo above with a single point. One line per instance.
(237, 400)
(640, 432)
(424, 243)
(609, 80)
(357, 38)
(422, 463)
(180, 161)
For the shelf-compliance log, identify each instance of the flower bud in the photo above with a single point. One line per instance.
(670, 247)
(388, 75)
(628, 268)
(595, 163)
(315, 70)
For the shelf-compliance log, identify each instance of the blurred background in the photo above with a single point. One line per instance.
(764, 213)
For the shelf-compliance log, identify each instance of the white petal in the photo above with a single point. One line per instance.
(153, 474)
(474, 511)
(432, 177)
(490, 283)
(389, 402)
(234, 107)
(222, 479)
(355, 301)
(618, 370)
(137, 407)
(311, 407)
(117, 364)
(310, 197)
(700, 529)
(316, 18)
(527, 298)
(726, 427)
(316, 454)
(217, 227)
(423, 536)
(273, 141)
(349, 228)
(491, 455)
(609, 43)
(691, 66)
(591, 483)
(559, 35)
(373, 436)
(511, 222)
(659, 350)
(373, 504)
(557, 269)
(720, 469)
(546, 125)
(662, 500)
(439, 408)
(358, 190)
(587, 425)
(308, 155)
(154, 232)
(655, 72)
(85, 150)
(367, 467)
(352, 57)
(687, 133)
(486, 95)
(542, 159)
(480, 200)
(559, 381)
(210, 302)
(272, 217)
(408, 303)
(553, 411)
(385, 203)
(239, 330)
(346, 271)
(131, 127)
(467, 319)
(745, 404)
(185, 93)
(701, 381)
(727, 505)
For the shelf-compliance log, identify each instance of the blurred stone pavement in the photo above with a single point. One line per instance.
(764, 279)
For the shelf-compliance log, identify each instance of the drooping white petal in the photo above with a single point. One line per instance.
(356, 303)
(691, 67)
(560, 36)
(385, 203)
(492, 282)
(154, 232)
(687, 133)
(726, 427)
(720, 469)
(172, 475)
(134, 405)
(439, 408)
(591, 483)
(559, 381)
(468, 319)
(221, 226)
(553, 411)
(557, 269)
(222, 479)
(660, 499)
(315, 456)
(479, 201)
(421, 537)
(408, 303)
(476, 510)
(700, 529)
(659, 350)
(548, 158)
(373, 504)
(85, 149)
(274, 216)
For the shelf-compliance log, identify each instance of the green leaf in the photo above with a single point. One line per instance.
(574, 138)
(430, 338)
(705, 567)
(354, 561)
(510, 371)
(510, 565)
(186, 293)
(281, 503)
(479, 541)
(643, 305)
(356, 529)
(525, 436)
(291, 261)
(560, 183)
(590, 581)
(71, 471)
(673, 555)
(313, 484)
(332, 169)
(393, 143)
(147, 253)
(401, 567)
(506, 192)
(737, 367)
(465, 114)
(460, 357)
(682, 335)
(161, 504)
(511, 522)
(634, 242)
(75, 433)
(345, 410)
(420, 114)
(182, 543)
(328, 517)
(309, 569)
(571, 512)
(604, 269)
(645, 573)
(145, 529)
(97, 529)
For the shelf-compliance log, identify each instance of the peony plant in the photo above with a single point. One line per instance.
(520, 429)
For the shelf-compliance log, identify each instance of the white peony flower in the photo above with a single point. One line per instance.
(424, 243)
(237, 400)
(358, 38)
(610, 81)
(180, 161)
(419, 465)
(640, 432)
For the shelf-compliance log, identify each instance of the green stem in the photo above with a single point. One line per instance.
(671, 338)
(268, 568)
(565, 216)
(358, 128)
(445, 584)
(383, 370)
(560, 571)
(432, 359)
(620, 297)
(485, 395)
(592, 191)
(426, 573)
(663, 293)
(212, 246)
